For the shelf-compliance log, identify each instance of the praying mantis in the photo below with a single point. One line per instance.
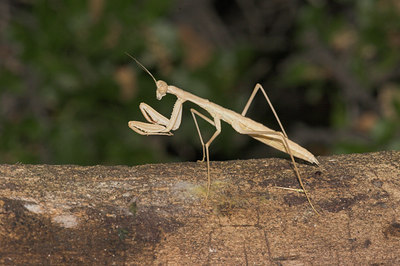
(160, 125)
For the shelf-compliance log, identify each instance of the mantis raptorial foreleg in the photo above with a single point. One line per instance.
(152, 115)
(217, 124)
(159, 124)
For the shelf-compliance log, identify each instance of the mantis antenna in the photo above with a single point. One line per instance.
(142, 66)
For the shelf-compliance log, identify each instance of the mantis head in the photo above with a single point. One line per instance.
(162, 86)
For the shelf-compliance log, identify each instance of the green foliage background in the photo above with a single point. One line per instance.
(67, 88)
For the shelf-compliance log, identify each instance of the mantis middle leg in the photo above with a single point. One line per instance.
(217, 124)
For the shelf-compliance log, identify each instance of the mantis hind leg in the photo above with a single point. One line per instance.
(253, 94)
(206, 154)
(282, 135)
(285, 142)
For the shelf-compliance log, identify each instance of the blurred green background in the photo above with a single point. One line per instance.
(68, 90)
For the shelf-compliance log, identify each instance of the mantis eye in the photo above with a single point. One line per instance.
(162, 88)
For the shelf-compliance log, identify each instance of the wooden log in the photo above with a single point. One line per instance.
(157, 214)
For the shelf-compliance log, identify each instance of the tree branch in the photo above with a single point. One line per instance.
(158, 213)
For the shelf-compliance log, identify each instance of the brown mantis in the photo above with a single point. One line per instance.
(160, 125)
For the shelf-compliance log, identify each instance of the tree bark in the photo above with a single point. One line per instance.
(159, 214)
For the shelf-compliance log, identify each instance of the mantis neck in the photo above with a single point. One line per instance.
(187, 96)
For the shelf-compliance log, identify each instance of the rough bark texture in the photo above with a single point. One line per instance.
(157, 214)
